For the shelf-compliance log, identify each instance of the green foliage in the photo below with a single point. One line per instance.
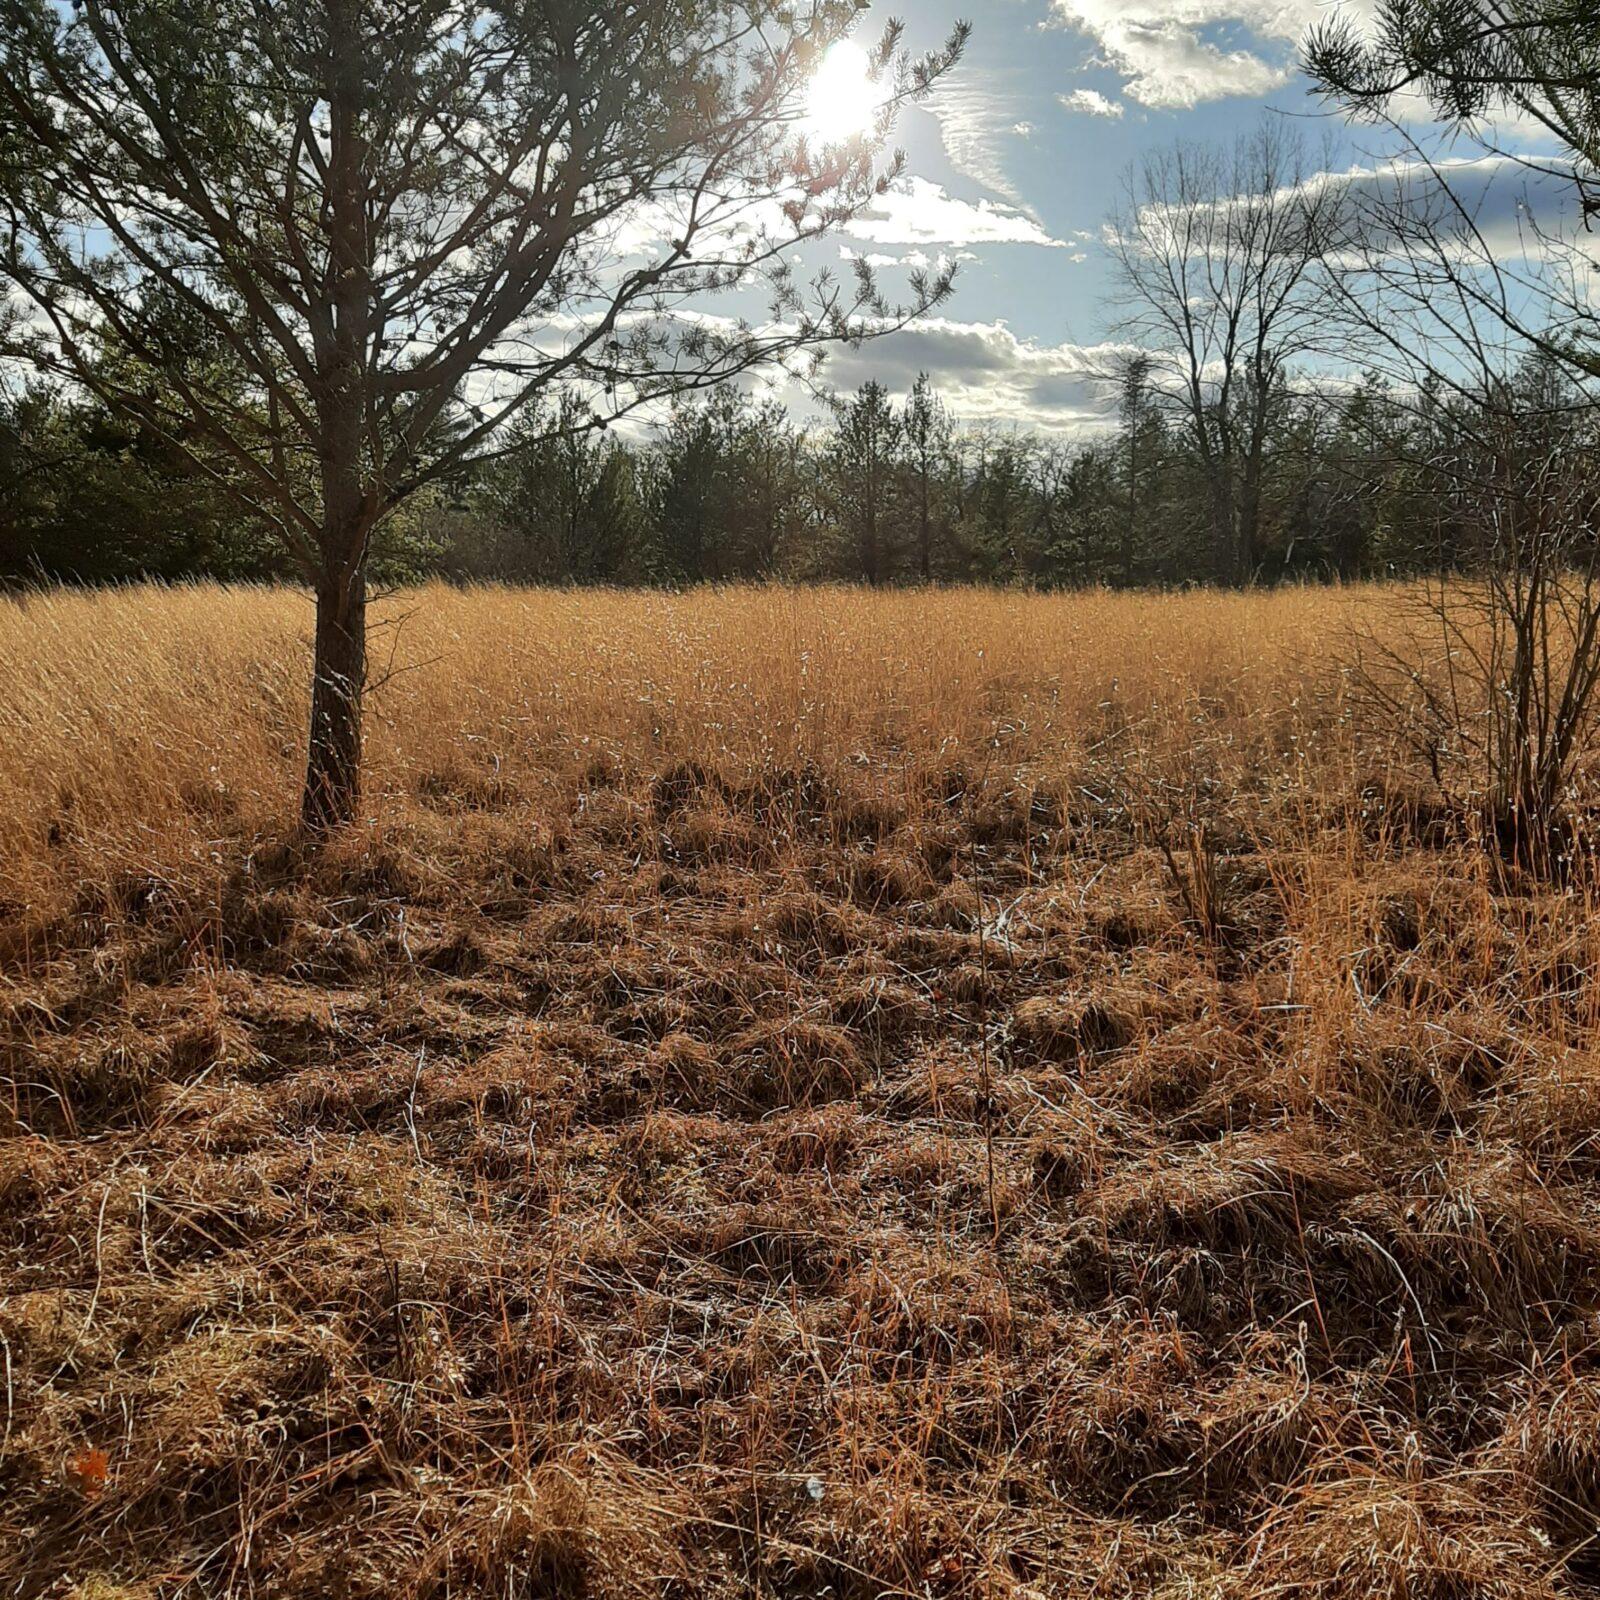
(86, 497)
(1471, 59)
(561, 505)
(862, 482)
(1360, 482)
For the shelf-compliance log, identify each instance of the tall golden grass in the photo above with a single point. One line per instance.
(144, 722)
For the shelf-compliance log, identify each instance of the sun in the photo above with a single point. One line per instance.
(845, 98)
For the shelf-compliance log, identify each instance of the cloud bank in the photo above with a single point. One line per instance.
(1175, 54)
(986, 374)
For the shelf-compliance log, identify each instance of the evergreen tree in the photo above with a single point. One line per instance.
(864, 463)
(927, 430)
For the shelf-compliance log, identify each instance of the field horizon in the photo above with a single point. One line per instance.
(793, 1091)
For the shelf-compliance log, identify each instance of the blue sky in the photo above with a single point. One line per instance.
(1043, 113)
(1018, 158)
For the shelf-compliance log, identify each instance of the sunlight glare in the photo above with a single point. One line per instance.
(845, 98)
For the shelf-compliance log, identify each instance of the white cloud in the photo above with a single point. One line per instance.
(1167, 61)
(1487, 208)
(921, 213)
(917, 260)
(1092, 102)
(977, 123)
(924, 213)
(1492, 209)
(1175, 54)
(985, 373)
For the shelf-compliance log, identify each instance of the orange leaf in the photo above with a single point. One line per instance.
(91, 1468)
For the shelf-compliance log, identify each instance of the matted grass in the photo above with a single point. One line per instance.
(754, 1108)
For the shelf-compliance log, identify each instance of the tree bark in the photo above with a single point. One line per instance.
(350, 502)
(925, 528)
(339, 676)
(872, 515)
(1131, 523)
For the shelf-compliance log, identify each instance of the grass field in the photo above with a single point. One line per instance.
(788, 1092)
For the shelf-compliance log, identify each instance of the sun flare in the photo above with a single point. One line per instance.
(845, 98)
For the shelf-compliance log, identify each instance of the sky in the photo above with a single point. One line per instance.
(1017, 159)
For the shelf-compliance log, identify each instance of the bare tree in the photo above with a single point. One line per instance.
(1496, 685)
(1505, 328)
(1500, 687)
(1423, 268)
(328, 249)
(1217, 252)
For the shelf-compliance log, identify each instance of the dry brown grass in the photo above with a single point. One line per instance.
(585, 1178)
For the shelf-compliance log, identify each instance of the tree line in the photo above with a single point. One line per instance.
(1362, 481)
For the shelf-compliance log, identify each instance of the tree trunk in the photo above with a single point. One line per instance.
(350, 505)
(925, 533)
(1248, 559)
(870, 553)
(339, 676)
(1251, 555)
(1130, 525)
(1224, 538)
